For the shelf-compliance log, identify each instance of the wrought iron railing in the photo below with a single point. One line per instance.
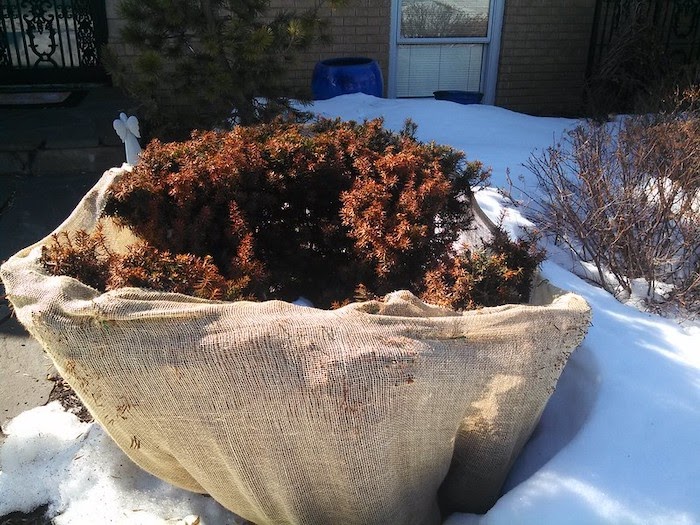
(676, 25)
(51, 40)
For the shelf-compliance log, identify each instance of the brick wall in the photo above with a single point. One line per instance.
(114, 26)
(544, 51)
(361, 28)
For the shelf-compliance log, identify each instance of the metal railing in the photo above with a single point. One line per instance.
(51, 40)
(675, 23)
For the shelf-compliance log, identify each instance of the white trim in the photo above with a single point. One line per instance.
(492, 42)
(489, 77)
(393, 48)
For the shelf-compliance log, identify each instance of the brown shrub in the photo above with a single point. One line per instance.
(499, 273)
(147, 267)
(85, 257)
(403, 212)
(330, 210)
(321, 207)
(82, 256)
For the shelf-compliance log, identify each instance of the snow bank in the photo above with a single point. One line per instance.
(499, 138)
(51, 457)
(633, 389)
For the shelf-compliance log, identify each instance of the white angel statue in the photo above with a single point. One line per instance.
(128, 131)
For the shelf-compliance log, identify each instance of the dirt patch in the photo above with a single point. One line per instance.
(35, 517)
(64, 394)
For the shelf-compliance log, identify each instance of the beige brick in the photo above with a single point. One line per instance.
(544, 49)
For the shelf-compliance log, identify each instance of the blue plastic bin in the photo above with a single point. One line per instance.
(341, 76)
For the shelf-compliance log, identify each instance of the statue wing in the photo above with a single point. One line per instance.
(132, 124)
(120, 128)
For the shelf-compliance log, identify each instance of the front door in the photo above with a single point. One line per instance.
(51, 41)
(445, 45)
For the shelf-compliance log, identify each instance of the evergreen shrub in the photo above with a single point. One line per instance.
(207, 63)
(328, 210)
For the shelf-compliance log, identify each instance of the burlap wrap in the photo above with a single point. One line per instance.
(293, 415)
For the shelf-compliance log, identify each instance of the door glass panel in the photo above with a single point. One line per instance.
(444, 18)
(423, 69)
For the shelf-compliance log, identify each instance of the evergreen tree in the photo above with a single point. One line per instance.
(204, 64)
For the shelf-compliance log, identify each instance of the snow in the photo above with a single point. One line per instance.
(617, 444)
(499, 138)
(51, 457)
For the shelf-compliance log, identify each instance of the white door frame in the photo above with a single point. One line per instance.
(489, 64)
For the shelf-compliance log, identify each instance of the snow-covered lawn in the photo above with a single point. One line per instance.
(619, 442)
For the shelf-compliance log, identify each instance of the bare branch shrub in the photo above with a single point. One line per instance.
(625, 197)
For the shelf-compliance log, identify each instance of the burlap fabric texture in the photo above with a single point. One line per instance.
(369, 414)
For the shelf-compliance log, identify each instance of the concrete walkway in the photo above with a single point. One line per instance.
(31, 207)
(49, 157)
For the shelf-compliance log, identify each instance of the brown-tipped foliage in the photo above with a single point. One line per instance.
(329, 210)
(86, 257)
(302, 209)
(81, 255)
(499, 273)
(147, 267)
(402, 211)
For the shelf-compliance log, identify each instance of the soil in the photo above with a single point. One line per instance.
(35, 517)
(64, 394)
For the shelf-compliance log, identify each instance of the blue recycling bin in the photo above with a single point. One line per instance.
(341, 76)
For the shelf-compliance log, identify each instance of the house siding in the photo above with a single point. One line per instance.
(544, 53)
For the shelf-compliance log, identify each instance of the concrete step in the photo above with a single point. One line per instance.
(45, 161)
(53, 140)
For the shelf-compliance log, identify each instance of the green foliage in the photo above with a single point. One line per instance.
(206, 63)
(329, 210)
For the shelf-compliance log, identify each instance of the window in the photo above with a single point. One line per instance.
(427, 68)
(443, 45)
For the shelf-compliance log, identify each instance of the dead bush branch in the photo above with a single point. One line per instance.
(625, 197)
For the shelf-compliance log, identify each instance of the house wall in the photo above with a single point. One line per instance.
(544, 53)
(114, 26)
(362, 28)
(359, 29)
(544, 48)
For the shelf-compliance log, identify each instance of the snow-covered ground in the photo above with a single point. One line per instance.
(618, 443)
